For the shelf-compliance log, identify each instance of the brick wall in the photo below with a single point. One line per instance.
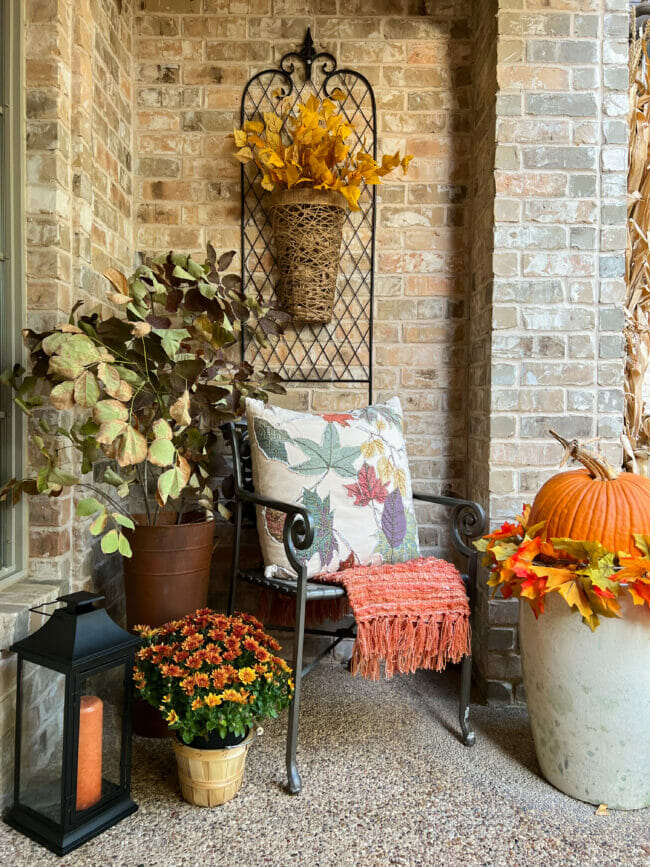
(79, 221)
(79, 198)
(556, 347)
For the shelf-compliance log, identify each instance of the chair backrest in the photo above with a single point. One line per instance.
(236, 434)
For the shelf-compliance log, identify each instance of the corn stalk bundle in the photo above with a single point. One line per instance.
(636, 435)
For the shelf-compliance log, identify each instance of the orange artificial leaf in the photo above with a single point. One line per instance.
(640, 593)
(506, 531)
(633, 569)
(293, 175)
(389, 162)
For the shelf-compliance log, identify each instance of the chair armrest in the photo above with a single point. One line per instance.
(467, 520)
(298, 532)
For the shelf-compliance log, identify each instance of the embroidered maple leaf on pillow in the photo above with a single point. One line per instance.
(341, 418)
(367, 487)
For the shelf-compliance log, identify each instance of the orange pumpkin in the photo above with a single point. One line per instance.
(594, 504)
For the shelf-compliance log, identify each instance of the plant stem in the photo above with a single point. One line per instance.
(145, 490)
(105, 496)
(597, 465)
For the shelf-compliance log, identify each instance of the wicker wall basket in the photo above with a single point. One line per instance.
(209, 778)
(307, 230)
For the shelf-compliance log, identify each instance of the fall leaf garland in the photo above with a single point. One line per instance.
(526, 565)
(319, 154)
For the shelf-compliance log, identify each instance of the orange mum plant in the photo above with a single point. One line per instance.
(208, 673)
(318, 153)
(525, 564)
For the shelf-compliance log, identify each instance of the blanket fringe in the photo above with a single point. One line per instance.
(406, 644)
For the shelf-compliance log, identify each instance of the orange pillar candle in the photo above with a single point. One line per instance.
(89, 764)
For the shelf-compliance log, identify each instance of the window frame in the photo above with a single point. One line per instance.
(13, 519)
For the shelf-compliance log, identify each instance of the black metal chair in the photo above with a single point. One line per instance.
(467, 521)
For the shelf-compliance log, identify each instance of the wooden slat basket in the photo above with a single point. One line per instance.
(209, 778)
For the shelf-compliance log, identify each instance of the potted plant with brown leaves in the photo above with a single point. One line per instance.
(212, 678)
(142, 393)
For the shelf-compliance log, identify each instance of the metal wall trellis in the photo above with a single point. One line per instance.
(341, 350)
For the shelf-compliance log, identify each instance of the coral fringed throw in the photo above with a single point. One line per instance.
(409, 615)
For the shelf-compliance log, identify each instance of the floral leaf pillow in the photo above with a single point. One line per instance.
(349, 470)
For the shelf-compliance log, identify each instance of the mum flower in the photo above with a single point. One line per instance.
(247, 675)
(237, 696)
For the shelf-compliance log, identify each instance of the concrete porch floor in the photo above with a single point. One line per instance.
(386, 781)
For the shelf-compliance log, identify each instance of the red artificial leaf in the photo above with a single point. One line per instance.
(524, 557)
(341, 418)
(367, 487)
(506, 531)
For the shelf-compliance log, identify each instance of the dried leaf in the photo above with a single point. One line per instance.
(179, 410)
(118, 280)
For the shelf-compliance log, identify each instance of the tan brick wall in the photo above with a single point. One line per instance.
(190, 72)
(78, 73)
(79, 220)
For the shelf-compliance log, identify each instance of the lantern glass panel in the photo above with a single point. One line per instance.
(41, 739)
(101, 712)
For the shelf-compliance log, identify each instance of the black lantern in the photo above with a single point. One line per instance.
(72, 775)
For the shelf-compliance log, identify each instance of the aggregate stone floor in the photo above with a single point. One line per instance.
(386, 782)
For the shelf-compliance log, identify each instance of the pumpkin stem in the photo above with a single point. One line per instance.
(597, 465)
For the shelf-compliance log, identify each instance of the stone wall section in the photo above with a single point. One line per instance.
(557, 315)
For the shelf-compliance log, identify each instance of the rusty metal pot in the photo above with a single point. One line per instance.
(166, 578)
(168, 575)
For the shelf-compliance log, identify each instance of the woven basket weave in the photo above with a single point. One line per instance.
(307, 230)
(209, 778)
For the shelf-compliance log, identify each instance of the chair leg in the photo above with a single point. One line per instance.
(236, 542)
(469, 738)
(294, 783)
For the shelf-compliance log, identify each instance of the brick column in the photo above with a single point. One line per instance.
(559, 232)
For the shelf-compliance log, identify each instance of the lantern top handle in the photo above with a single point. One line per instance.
(81, 602)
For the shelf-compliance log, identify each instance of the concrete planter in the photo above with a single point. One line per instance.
(588, 698)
